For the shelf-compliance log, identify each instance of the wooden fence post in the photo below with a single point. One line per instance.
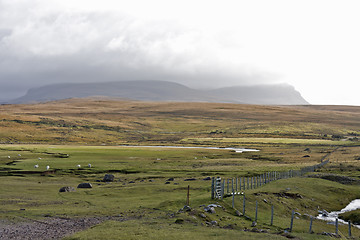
(272, 215)
(292, 220)
(256, 211)
(336, 226)
(251, 180)
(212, 187)
(311, 222)
(227, 188)
(188, 196)
(247, 179)
(236, 184)
(349, 228)
(222, 189)
(233, 199)
(244, 206)
(240, 185)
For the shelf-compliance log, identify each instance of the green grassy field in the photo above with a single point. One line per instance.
(142, 202)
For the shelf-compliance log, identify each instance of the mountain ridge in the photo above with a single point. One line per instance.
(153, 90)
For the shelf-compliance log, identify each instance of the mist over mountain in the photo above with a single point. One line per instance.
(277, 94)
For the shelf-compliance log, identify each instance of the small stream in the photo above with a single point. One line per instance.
(238, 150)
(331, 216)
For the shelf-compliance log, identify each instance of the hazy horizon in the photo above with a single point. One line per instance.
(311, 45)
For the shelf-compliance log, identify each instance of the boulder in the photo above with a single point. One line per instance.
(84, 185)
(67, 189)
(108, 178)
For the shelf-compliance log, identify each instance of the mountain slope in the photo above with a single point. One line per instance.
(165, 91)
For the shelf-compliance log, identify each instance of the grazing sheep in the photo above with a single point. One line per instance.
(89, 165)
(8, 156)
(47, 167)
(79, 166)
(19, 155)
(36, 166)
(39, 158)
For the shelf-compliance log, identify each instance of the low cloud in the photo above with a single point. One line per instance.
(42, 46)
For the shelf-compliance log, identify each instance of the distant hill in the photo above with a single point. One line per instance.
(280, 94)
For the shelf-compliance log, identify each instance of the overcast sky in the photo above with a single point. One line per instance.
(313, 45)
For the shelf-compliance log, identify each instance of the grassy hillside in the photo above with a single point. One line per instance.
(151, 184)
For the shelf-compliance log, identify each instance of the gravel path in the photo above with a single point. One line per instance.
(50, 228)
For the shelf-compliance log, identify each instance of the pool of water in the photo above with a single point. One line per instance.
(238, 150)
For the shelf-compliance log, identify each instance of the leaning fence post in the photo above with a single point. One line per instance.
(311, 222)
(292, 220)
(349, 228)
(256, 211)
(336, 226)
(244, 205)
(272, 215)
(212, 187)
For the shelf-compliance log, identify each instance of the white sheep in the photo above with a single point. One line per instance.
(9, 157)
(89, 165)
(19, 155)
(47, 167)
(36, 166)
(79, 166)
(39, 158)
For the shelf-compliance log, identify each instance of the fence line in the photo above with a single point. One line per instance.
(246, 183)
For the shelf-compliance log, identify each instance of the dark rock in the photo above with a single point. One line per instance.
(84, 185)
(238, 213)
(167, 182)
(151, 180)
(176, 183)
(253, 224)
(179, 221)
(171, 179)
(132, 182)
(108, 178)
(207, 179)
(214, 223)
(67, 189)
(190, 179)
(306, 156)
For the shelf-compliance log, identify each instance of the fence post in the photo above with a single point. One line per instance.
(188, 196)
(233, 199)
(311, 222)
(244, 184)
(232, 185)
(236, 184)
(222, 189)
(292, 220)
(240, 185)
(256, 211)
(227, 188)
(336, 226)
(349, 228)
(251, 180)
(272, 215)
(244, 206)
(212, 187)
(247, 179)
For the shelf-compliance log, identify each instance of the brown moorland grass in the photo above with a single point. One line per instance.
(111, 121)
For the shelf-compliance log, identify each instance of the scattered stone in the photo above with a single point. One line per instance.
(22, 209)
(253, 224)
(84, 185)
(176, 183)
(306, 156)
(108, 178)
(238, 213)
(214, 223)
(171, 179)
(254, 229)
(132, 182)
(151, 180)
(167, 182)
(209, 209)
(190, 179)
(297, 213)
(186, 208)
(67, 189)
(207, 179)
(202, 215)
(265, 201)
